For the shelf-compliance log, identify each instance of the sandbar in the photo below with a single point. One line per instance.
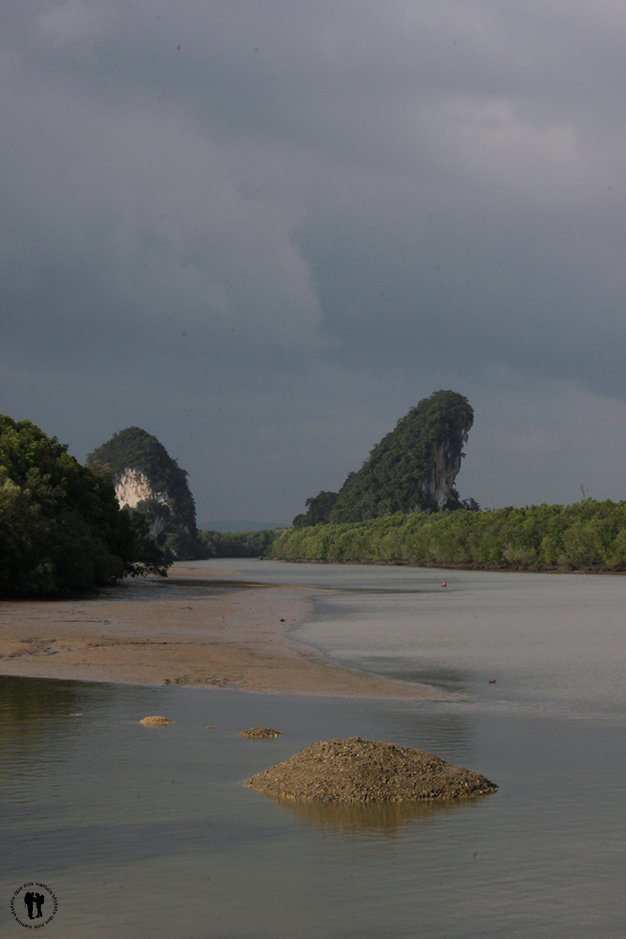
(195, 627)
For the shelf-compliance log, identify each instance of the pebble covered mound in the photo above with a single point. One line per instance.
(259, 733)
(356, 770)
(155, 721)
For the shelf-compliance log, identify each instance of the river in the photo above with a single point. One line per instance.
(151, 833)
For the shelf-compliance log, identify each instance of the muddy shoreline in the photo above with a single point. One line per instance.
(195, 628)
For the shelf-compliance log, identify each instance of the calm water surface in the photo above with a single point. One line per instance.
(150, 833)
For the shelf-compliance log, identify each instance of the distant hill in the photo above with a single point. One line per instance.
(147, 478)
(413, 468)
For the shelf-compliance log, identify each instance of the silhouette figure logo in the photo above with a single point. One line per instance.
(34, 905)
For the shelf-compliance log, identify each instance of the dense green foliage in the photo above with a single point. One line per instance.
(172, 519)
(319, 509)
(586, 536)
(401, 472)
(61, 528)
(237, 544)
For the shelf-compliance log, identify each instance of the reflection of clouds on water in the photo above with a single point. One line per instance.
(111, 843)
(446, 678)
(449, 732)
(382, 819)
(553, 642)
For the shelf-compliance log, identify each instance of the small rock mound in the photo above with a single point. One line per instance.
(259, 733)
(356, 770)
(155, 721)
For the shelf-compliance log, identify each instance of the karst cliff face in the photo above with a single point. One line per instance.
(132, 487)
(447, 455)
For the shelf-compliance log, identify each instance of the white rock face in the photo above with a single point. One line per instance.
(132, 487)
(445, 470)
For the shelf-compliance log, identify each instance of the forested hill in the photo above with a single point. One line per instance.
(413, 468)
(146, 477)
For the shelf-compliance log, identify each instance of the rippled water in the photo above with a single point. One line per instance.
(144, 832)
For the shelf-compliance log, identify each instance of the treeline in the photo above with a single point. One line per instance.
(588, 535)
(237, 544)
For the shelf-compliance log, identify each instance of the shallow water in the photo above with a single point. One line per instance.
(149, 832)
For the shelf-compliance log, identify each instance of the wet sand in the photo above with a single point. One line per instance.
(192, 628)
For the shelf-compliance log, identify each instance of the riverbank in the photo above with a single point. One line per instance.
(196, 628)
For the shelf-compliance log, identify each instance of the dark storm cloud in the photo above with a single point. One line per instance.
(271, 213)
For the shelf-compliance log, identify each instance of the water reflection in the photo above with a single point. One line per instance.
(449, 733)
(26, 700)
(29, 725)
(43, 721)
(385, 819)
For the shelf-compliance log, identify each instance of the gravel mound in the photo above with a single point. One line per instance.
(155, 721)
(259, 733)
(356, 770)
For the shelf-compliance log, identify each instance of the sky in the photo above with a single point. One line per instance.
(263, 231)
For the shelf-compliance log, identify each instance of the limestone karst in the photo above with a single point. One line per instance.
(147, 478)
(413, 468)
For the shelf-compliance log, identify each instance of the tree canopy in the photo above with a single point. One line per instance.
(404, 470)
(61, 528)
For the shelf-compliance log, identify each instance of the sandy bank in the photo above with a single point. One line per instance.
(194, 628)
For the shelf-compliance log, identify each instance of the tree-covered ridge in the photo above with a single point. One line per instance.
(172, 516)
(237, 544)
(411, 469)
(61, 528)
(588, 535)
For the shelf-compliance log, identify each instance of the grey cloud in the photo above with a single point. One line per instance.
(248, 211)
